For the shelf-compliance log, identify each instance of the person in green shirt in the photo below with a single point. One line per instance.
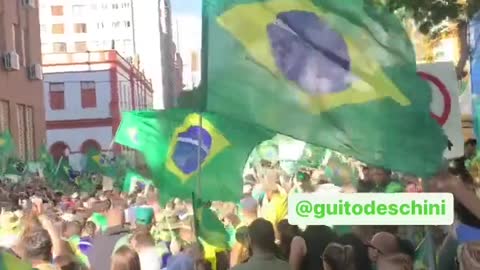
(383, 181)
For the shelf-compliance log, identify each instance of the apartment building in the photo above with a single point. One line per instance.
(21, 95)
(140, 30)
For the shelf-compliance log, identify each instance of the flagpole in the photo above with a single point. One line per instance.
(200, 140)
(58, 165)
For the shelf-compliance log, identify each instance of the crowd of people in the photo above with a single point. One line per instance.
(119, 231)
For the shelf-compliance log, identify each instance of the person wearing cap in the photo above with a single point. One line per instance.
(144, 218)
(103, 245)
(143, 222)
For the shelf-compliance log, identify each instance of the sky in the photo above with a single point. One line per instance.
(187, 17)
(187, 7)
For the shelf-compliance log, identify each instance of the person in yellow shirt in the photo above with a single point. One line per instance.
(275, 203)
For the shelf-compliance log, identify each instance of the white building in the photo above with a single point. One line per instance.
(187, 31)
(85, 94)
(132, 27)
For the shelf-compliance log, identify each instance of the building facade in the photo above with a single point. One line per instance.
(138, 30)
(21, 105)
(84, 95)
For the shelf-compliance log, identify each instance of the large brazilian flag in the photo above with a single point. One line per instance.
(182, 147)
(339, 74)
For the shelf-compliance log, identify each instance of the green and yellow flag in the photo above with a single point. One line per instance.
(338, 74)
(178, 145)
(98, 162)
(208, 227)
(132, 180)
(6, 144)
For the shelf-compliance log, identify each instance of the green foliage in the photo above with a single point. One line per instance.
(429, 15)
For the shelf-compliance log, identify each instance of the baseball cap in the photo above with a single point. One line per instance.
(144, 215)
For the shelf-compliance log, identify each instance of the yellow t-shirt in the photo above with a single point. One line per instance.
(276, 209)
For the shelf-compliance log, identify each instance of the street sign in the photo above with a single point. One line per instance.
(445, 107)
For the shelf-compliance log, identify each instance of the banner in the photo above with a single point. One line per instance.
(445, 107)
(475, 70)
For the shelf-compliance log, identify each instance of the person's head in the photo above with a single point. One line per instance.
(125, 258)
(241, 235)
(115, 214)
(470, 148)
(338, 257)
(270, 182)
(286, 234)
(72, 228)
(468, 256)
(382, 244)
(67, 262)
(141, 240)
(89, 229)
(144, 217)
(249, 207)
(317, 237)
(406, 247)
(262, 236)
(361, 251)
(37, 246)
(396, 261)
(379, 176)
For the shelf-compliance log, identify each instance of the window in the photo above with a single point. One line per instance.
(79, 10)
(81, 46)
(43, 28)
(127, 24)
(57, 10)
(30, 132)
(59, 47)
(114, 6)
(116, 24)
(21, 47)
(58, 28)
(80, 28)
(89, 98)
(4, 115)
(19, 43)
(100, 25)
(125, 5)
(21, 138)
(57, 96)
(104, 6)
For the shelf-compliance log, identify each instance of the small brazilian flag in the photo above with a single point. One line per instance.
(6, 144)
(132, 180)
(208, 227)
(178, 144)
(98, 162)
(337, 74)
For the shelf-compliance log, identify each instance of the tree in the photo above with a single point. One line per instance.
(433, 16)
